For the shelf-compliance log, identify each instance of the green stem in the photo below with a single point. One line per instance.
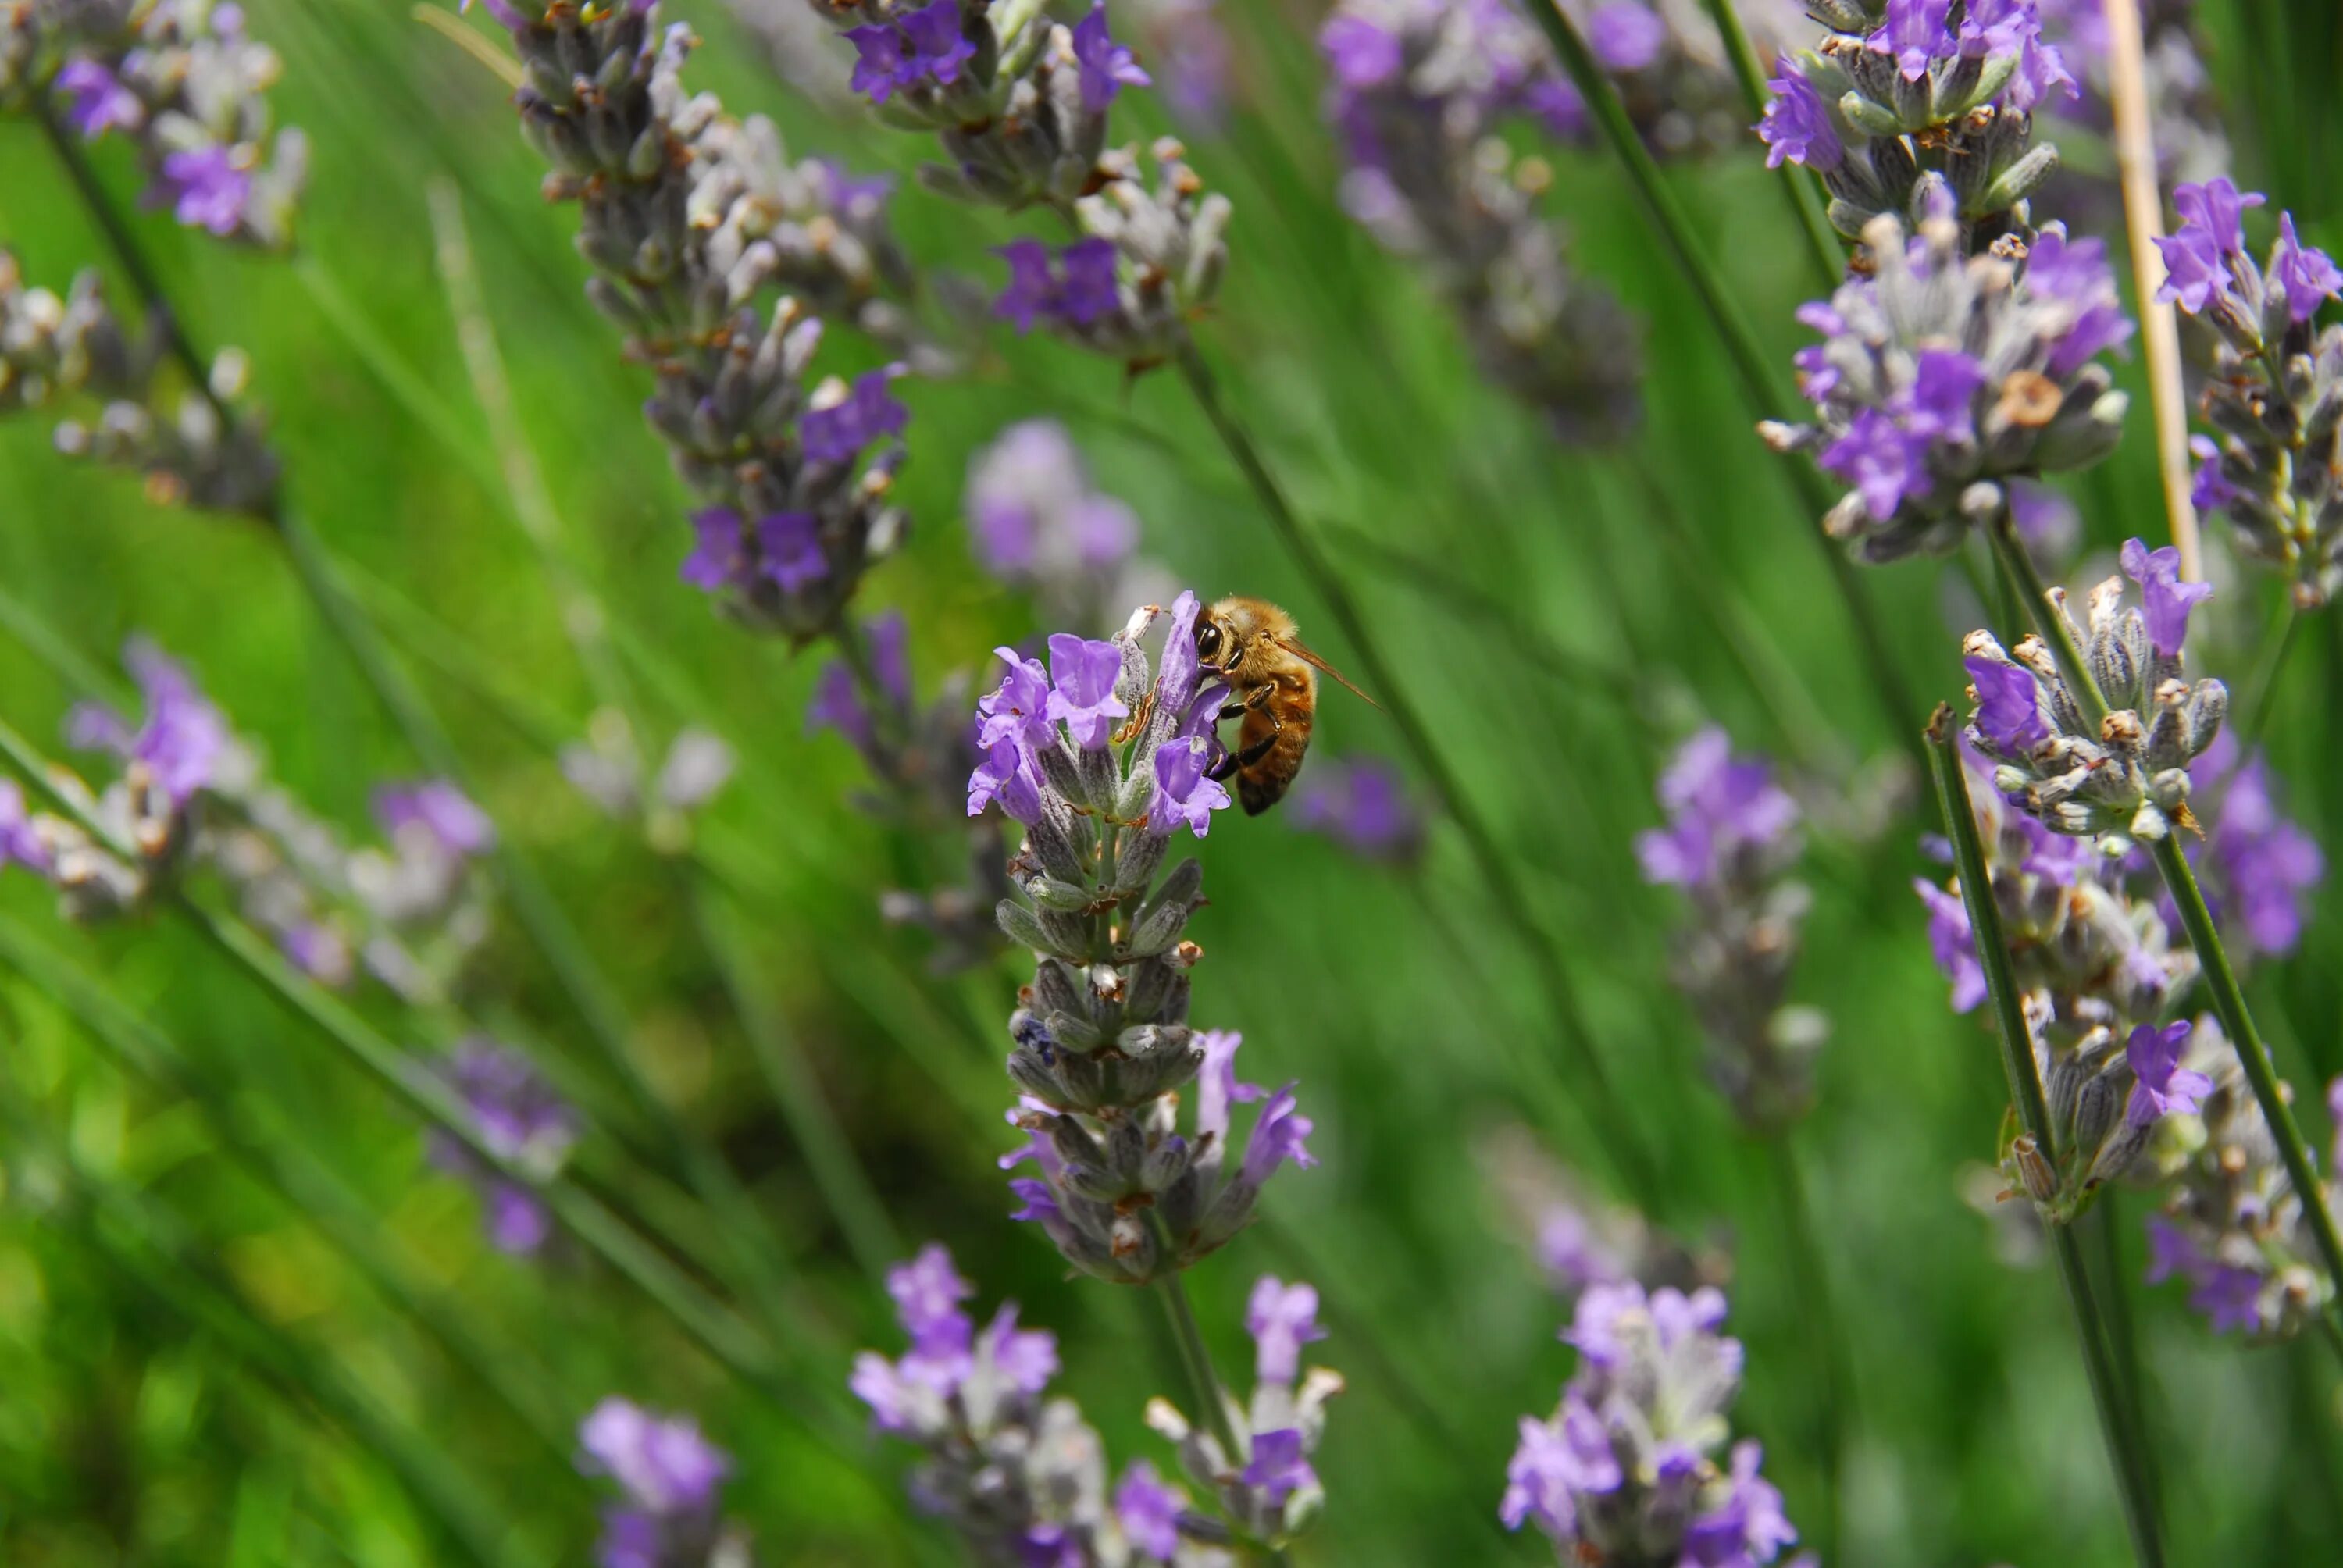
(1760, 383)
(2246, 1040)
(1604, 1112)
(2017, 567)
(2252, 709)
(1826, 1343)
(2124, 1444)
(845, 1186)
(2104, 1220)
(1823, 242)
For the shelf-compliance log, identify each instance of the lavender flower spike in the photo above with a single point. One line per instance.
(793, 473)
(1268, 1489)
(518, 1115)
(1020, 1476)
(2273, 394)
(668, 1475)
(1101, 1044)
(1730, 842)
(1927, 436)
(1626, 1470)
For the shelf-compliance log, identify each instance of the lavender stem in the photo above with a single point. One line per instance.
(1825, 1341)
(1203, 1386)
(2126, 1445)
(1823, 242)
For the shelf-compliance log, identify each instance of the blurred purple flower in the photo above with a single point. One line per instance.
(1797, 126)
(2308, 274)
(435, 808)
(2165, 599)
(2009, 703)
(1082, 694)
(838, 433)
(204, 189)
(95, 99)
(1626, 36)
(1362, 805)
(1916, 34)
(1107, 67)
(1148, 1511)
(1719, 809)
(183, 737)
(1281, 1318)
(1279, 1465)
(1184, 794)
(2164, 1088)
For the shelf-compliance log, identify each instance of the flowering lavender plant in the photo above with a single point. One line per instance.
(1022, 1478)
(185, 82)
(2274, 393)
(668, 1474)
(2123, 777)
(1626, 1470)
(688, 216)
(1019, 105)
(1103, 761)
(1942, 377)
(1731, 839)
(1906, 105)
(1418, 93)
(57, 354)
(1273, 1495)
(520, 1117)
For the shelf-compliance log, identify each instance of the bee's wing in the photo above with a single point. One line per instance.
(1295, 647)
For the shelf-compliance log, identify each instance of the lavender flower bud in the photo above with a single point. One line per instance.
(2233, 1225)
(58, 355)
(1942, 377)
(1901, 112)
(187, 83)
(1420, 95)
(1019, 1477)
(524, 1123)
(668, 1475)
(2274, 391)
(2127, 778)
(1628, 1468)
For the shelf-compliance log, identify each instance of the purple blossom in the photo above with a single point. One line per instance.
(2009, 704)
(1148, 1511)
(504, 11)
(2267, 866)
(1916, 34)
(2164, 1087)
(1184, 794)
(2170, 1251)
(2165, 599)
(927, 1292)
(1217, 1085)
(1626, 36)
(791, 544)
(1008, 775)
(20, 841)
(1276, 1138)
(2197, 258)
(1719, 806)
(1281, 1318)
(1018, 708)
(2211, 490)
(661, 1463)
(1032, 289)
(1107, 67)
(1749, 1528)
(836, 704)
(1883, 462)
(1362, 805)
(205, 189)
(1180, 669)
(2307, 274)
(1362, 53)
(1952, 944)
(1278, 1466)
(837, 433)
(1084, 672)
(2076, 273)
(1090, 291)
(1555, 1460)
(438, 809)
(2230, 1297)
(1574, 1254)
(2015, 27)
(1945, 382)
(1797, 126)
(182, 739)
(720, 558)
(939, 46)
(95, 99)
(1027, 1357)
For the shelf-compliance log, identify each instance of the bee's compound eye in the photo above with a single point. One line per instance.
(1208, 640)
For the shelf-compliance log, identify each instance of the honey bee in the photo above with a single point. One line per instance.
(1272, 679)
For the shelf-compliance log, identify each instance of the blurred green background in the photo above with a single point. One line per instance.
(131, 1433)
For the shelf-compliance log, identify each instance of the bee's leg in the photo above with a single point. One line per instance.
(1257, 698)
(1236, 760)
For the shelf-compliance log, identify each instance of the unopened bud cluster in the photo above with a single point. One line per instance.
(1730, 842)
(1019, 104)
(1905, 104)
(1421, 96)
(689, 217)
(1943, 375)
(2274, 391)
(73, 358)
(183, 81)
(1103, 761)
(2122, 777)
